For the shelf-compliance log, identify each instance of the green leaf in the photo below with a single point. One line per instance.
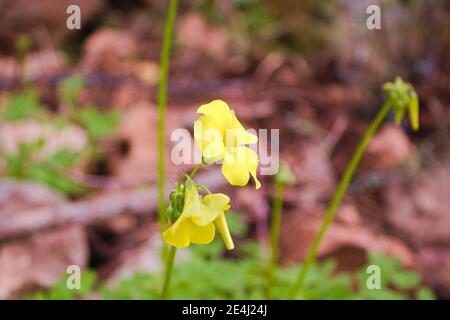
(60, 122)
(17, 163)
(406, 279)
(99, 124)
(70, 88)
(63, 159)
(88, 281)
(384, 294)
(236, 223)
(213, 250)
(59, 291)
(388, 266)
(425, 294)
(20, 106)
(45, 175)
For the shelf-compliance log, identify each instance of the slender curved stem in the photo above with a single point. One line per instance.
(181, 176)
(204, 188)
(162, 103)
(274, 235)
(194, 171)
(338, 196)
(168, 272)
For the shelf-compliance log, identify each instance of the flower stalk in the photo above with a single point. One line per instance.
(401, 98)
(162, 104)
(274, 235)
(168, 272)
(338, 196)
(284, 177)
(194, 171)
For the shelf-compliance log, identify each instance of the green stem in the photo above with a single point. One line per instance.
(194, 171)
(168, 272)
(338, 195)
(274, 234)
(162, 103)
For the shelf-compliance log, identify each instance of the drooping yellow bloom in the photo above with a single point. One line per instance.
(402, 97)
(198, 219)
(220, 136)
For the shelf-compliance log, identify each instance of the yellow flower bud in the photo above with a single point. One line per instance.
(402, 97)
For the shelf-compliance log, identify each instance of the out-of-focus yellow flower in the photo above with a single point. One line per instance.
(197, 221)
(403, 98)
(220, 136)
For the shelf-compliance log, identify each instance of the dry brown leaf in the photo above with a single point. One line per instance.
(420, 211)
(102, 54)
(313, 172)
(194, 34)
(388, 149)
(348, 242)
(40, 260)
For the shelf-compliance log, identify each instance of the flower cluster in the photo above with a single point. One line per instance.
(221, 137)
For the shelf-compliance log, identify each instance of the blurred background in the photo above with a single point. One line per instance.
(78, 144)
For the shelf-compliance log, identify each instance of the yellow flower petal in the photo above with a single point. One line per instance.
(238, 164)
(194, 209)
(242, 136)
(196, 222)
(220, 114)
(225, 142)
(217, 201)
(205, 215)
(414, 113)
(235, 174)
(192, 202)
(208, 139)
(179, 234)
(203, 235)
(222, 225)
(220, 202)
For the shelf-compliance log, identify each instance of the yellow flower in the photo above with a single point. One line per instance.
(403, 98)
(198, 219)
(220, 136)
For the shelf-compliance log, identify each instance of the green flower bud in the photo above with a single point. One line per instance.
(176, 201)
